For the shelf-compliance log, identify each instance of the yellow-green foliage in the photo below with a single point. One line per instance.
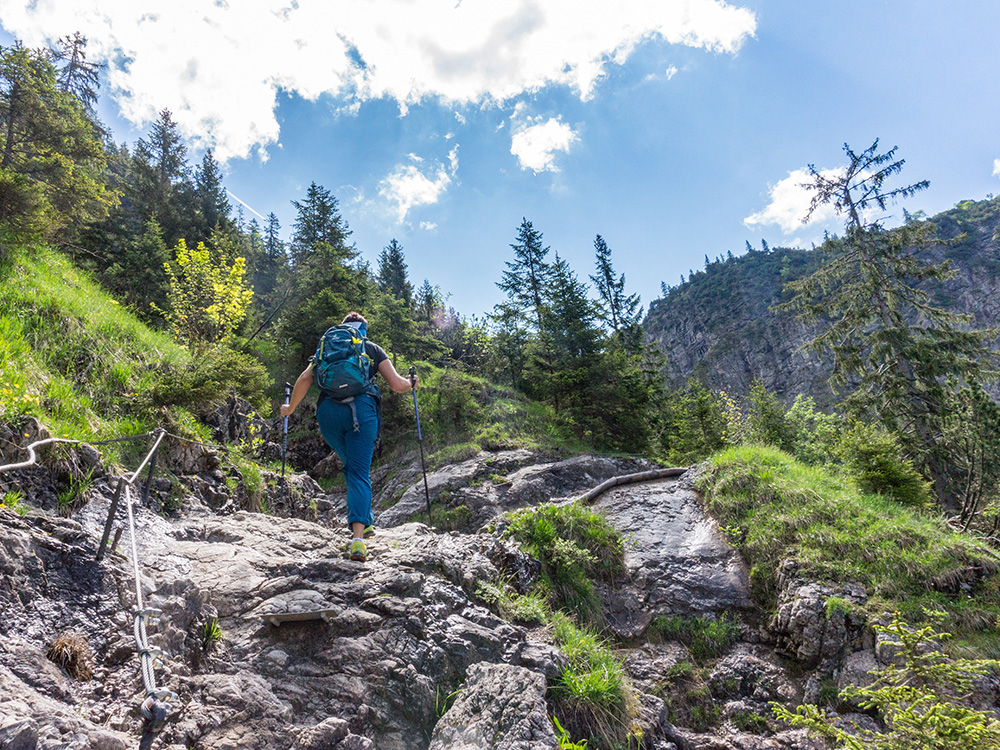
(69, 353)
(209, 294)
(923, 704)
(772, 507)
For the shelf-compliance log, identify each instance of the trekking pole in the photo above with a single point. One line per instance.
(284, 442)
(420, 438)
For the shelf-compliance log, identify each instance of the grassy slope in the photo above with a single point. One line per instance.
(71, 355)
(771, 507)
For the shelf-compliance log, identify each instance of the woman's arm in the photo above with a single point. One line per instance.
(395, 381)
(299, 391)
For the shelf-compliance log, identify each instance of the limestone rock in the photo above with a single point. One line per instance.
(812, 632)
(500, 707)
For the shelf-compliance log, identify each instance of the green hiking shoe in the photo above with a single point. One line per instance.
(359, 552)
(369, 532)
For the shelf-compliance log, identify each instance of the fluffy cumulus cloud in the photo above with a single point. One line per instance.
(996, 167)
(789, 204)
(417, 184)
(220, 66)
(535, 143)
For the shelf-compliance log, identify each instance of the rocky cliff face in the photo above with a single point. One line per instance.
(719, 325)
(407, 652)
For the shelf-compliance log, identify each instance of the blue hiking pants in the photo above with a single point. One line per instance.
(354, 448)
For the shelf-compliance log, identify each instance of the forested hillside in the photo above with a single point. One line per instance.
(720, 325)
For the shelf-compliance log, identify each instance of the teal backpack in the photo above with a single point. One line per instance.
(341, 366)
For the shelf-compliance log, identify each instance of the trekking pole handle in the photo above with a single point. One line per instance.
(413, 374)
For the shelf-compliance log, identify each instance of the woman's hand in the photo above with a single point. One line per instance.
(286, 409)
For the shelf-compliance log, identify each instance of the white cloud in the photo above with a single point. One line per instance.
(220, 66)
(428, 226)
(407, 186)
(536, 144)
(789, 204)
(996, 167)
(671, 72)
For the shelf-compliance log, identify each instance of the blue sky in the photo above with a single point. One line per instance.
(673, 129)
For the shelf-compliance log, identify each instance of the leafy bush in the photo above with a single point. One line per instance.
(215, 375)
(529, 608)
(922, 704)
(875, 460)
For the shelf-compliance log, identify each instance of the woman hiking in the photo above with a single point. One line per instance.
(351, 425)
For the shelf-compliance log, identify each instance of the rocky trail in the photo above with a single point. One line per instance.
(411, 654)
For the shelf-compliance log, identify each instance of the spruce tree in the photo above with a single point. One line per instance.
(212, 199)
(77, 76)
(428, 302)
(527, 277)
(891, 346)
(392, 273)
(621, 311)
(318, 220)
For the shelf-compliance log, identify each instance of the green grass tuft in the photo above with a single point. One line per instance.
(593, 693)
(575, 546)
(705, 637)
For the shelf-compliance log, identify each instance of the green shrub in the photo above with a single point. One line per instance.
(922, 704)
(215, 375)
(529, 609)
(450, 519)
(875, 460)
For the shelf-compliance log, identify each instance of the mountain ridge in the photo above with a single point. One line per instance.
(720, 327)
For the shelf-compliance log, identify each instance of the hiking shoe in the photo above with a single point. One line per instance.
(359, 552)
(369, 532)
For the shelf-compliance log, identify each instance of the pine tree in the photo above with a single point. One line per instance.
(428, 302)
(392, 273)
(891, 346)
(318, 221)
(570, 316)
(617, 309)
(527, 277)
(212, 200)
(52, 162)
(166, 149)
(77, 76)
(273, 245)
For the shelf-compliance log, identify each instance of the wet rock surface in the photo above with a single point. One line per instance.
(676, 559)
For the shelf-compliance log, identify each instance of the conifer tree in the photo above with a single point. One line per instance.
(212, 200)
(428, 302)
(318, 220)
(527, 277)
(77, 76)
(890, 344)
(392, 272)
(166, 148)
(621, 311)
(52, 161)
(273, 245)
